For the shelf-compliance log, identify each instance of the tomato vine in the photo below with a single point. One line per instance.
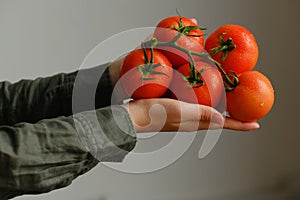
(230, 80)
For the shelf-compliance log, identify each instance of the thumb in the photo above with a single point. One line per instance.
(194, 20)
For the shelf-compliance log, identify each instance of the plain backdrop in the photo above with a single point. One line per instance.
(41, 38)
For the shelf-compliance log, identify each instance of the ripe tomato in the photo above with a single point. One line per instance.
(191, 38)
(141, 79)
(207, 94)
(252, 98)
(238, 55)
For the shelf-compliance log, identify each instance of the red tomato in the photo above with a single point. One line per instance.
(252, 98)
(207, 94)
(241, 53)
(141, 79)
(191, 38)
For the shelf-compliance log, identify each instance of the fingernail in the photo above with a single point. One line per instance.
(256, 125)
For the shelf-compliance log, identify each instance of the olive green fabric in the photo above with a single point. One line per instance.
(44, 146)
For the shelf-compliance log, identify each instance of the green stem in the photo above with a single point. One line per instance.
(143, 45)
(152, 55)
(225, 47)
(229, 84)
(149, 67)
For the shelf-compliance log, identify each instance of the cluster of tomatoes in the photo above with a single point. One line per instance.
(180, 63)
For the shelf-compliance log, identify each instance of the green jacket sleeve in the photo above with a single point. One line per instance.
(40, 157)
(44, 146)
(49, 97)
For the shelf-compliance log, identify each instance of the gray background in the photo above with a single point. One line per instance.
(41, 38)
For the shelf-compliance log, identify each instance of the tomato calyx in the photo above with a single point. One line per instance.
(186, 29)
(149, 67)
(225, 47)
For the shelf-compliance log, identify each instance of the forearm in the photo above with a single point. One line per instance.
(33, 100)
(50, 154)
(37, 158)
(19, 101)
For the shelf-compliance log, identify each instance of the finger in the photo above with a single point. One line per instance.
(228, 124)
(194, 20)
(240, 126)
(197, 112)
(149, 37)
(191, 126)
(210, 125)
(199, 117)
(210, 114)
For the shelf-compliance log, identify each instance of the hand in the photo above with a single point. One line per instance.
(169, 115)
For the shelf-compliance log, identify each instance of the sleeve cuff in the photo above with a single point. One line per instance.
(107, 133)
